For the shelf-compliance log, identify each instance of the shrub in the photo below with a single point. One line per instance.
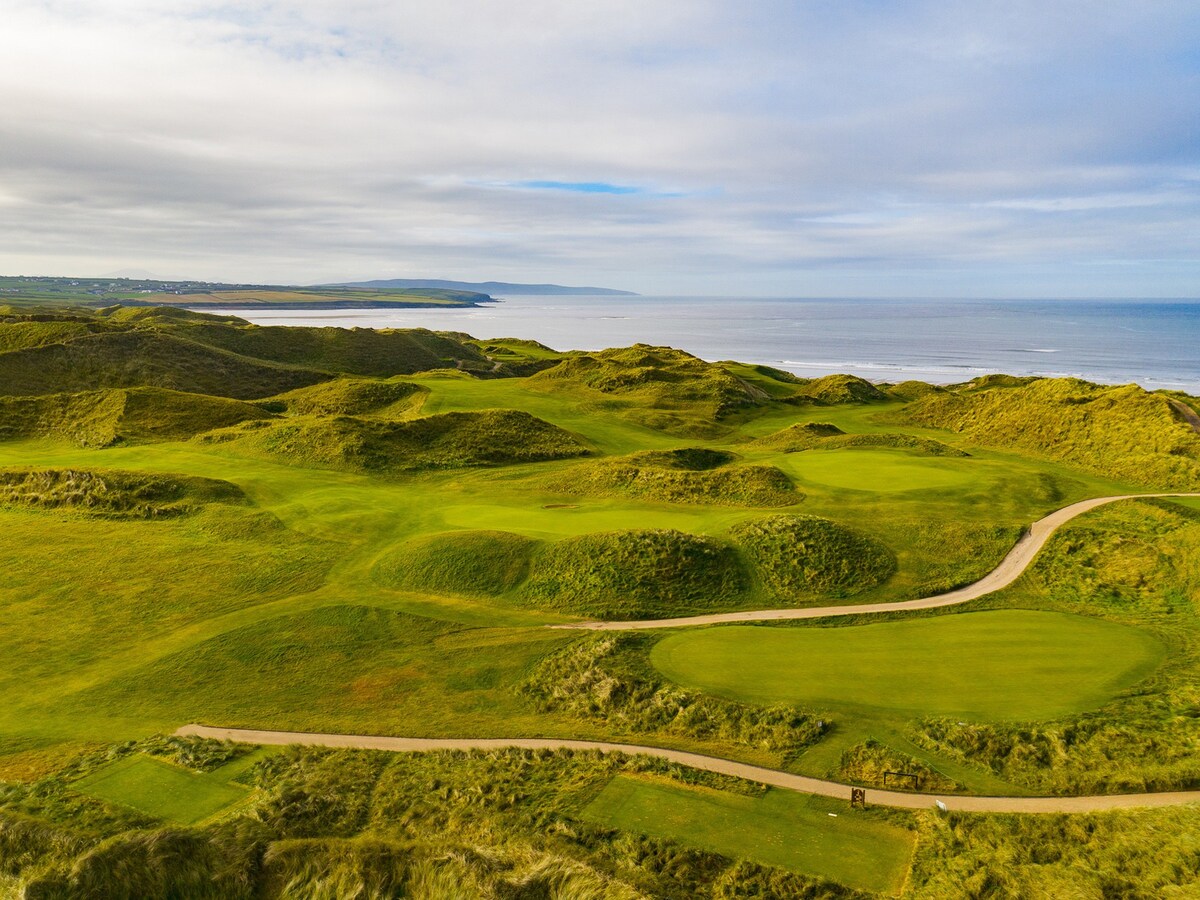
(801, 558)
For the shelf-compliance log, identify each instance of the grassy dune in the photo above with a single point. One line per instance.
(1124, 432)
(372, 548)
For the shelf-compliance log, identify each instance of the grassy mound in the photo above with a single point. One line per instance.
(691, 476)
(22, 335)
(1122, 432)
(136, 415)
(802, 558)
(451, 440)
(912, 390)
(142, 315)
(660, 387)
(458, 562)
(823, 436)
(132, 495)
(122, 359)
(635, 575)
(350, 397)
(351, 351)
(834, 390)
(875, 764)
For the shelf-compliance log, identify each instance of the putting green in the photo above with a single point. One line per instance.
(782, 828)
(882, 471)
(1004, 665)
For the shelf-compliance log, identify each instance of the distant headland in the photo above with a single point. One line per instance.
(483, 287)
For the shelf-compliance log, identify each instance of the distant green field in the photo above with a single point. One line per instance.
(781, 828)
(1010, 664)
(163, 790)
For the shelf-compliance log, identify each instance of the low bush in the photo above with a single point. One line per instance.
(800, 558)
(635, 574)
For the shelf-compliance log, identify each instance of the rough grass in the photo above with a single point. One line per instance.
(134, 415)
(691, 475)
(352, 351)
(833, 390)
(1123, 432)
(802, 558)
(23, 335)
(1139, 855)
(875, 765)
(822, 436)
(351, 397)
(450, 440)
(634, 574)
(658, 387)
(114, 493)
(123, 359)
(458, 562)
(500, 825)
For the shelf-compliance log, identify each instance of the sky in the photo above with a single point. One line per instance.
(821, 148)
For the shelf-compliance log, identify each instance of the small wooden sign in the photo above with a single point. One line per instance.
(858, 797)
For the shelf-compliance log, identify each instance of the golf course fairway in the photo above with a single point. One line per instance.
(993, 666)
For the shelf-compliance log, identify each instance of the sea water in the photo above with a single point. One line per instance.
(1154, 343)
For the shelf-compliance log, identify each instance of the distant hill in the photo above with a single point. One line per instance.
(483, 287)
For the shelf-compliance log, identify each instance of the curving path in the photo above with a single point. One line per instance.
(760, 774)
(1009, 570)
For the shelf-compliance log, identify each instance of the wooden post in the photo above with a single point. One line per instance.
(858, 797)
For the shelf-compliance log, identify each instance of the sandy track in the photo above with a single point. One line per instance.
(773, 777)
(1009, 570)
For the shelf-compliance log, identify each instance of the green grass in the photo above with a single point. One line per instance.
(780, 828)
(635, 574)
(386, 573)
(1125, 431)
(879, 471)
(448, 440)
(1003, 665)
(132, 415)
(163, 790)
(800, 558)
(123, 359)
(118, 494)
(458, 562)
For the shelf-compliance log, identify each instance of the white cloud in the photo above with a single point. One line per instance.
(319, 140)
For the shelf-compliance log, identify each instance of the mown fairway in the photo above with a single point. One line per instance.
(780, 829)
(1012, 664)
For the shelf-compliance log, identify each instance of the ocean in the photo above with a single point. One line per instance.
(1154, 343)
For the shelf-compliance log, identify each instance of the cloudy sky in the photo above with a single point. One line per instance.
(808, 148)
